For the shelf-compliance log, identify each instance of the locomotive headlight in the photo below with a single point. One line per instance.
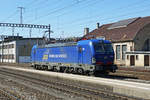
(93, 60)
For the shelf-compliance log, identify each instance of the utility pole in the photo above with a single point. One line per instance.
(30, 31)
(21, 12)
(49, 31)
(13, 31)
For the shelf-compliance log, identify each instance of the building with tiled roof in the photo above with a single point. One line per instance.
(126, 35)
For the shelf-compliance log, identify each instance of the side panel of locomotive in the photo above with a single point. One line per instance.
(64, 54)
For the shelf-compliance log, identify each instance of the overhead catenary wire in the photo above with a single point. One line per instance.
(38, 9)
(85, 18)
(7, 19)
(98, 15)
(88, 3)
(43, 4)
(120, 8)
(104, 19)
(110, 18)
(84, 6)
(80, 1)
(10, 16)
(16, 12)
(28, 4)
(59, 9)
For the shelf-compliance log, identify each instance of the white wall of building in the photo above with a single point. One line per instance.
(139, 58)
(130, 47)
(8, 52)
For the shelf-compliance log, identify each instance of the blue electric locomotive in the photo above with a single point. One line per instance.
(85, 56)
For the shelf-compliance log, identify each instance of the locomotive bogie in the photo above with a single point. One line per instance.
(68, 68)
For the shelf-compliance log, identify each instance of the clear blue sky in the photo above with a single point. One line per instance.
(68, 18)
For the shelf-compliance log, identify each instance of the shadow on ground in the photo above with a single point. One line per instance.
(115, 76)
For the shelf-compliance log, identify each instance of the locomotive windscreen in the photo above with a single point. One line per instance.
(100, 47)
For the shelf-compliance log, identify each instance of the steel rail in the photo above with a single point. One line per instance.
(8, 95)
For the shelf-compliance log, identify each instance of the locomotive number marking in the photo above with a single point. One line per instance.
(58, 56)
(45, 57)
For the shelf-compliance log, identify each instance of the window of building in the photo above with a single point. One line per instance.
(131, 48)
(12, 56)
(127, 57)
(9, 56)
(4, 46)
(11, 46)
(124, 49)
(146, 46)
(137, 57)
(4, 56)
(117, 52)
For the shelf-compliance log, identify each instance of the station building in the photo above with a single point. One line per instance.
(138, 58)
(130, 35)
(16, 49)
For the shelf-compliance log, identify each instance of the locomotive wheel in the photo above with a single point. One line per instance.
(46, 68)
(34, 66)
(71, 70)
(55, 69)
(62, 69)
(80, 71)
(37, 67)
(66, 70)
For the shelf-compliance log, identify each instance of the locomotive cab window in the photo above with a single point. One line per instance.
(98, 48)
(106, 47)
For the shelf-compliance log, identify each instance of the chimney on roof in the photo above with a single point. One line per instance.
(97, 25)
(86, 31)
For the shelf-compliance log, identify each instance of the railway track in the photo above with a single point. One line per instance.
(86, 92)
(8, 95)
(133, 74)
(122, 73)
